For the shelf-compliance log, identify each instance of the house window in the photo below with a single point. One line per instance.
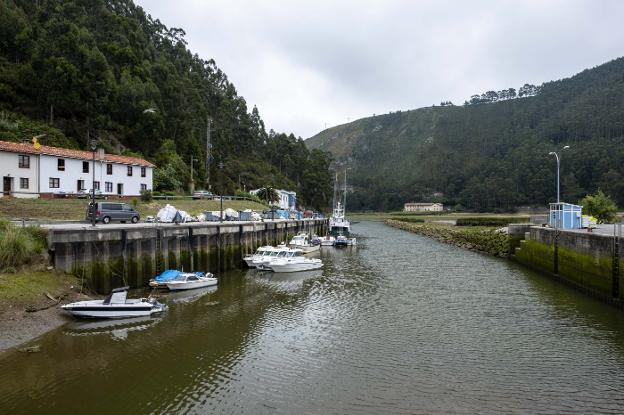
(85, 167)
(55, 182)
(23, 162)
(143, 187)
(109, 168)
(143, 171)
(96, 185)
(108, 187)
(129, 170)
(23, 183)
(81, 185)
(61, 164)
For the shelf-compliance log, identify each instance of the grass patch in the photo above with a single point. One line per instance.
(75, 209)
(25, 287)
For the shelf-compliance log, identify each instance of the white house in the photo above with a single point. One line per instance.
(287, 199)
(32, 171)
(423, 207)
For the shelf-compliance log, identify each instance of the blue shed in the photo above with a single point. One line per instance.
(565, 216)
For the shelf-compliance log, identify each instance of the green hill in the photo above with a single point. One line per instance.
(104, 69)
(490, 153)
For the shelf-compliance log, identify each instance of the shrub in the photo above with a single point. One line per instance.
(600, 206)
(147, 195)
(408, 219)
(19, 246)
(491, 221)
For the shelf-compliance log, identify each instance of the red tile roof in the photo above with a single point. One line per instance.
(28, 148)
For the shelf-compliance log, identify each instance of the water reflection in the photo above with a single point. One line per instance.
(402, 324)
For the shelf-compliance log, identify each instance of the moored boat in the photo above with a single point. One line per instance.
(294, 261)
(328, 241)
(192, 280)
(160, 281)
(302, 241)
(116, 305)
(249, 259)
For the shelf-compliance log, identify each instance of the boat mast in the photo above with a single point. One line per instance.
(344, 194)
(335, 190)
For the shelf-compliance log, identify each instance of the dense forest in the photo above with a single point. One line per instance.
(491, 153)
(79, 70)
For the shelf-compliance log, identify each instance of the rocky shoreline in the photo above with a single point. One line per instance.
(486, 240)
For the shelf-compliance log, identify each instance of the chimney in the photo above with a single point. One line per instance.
(100, 154)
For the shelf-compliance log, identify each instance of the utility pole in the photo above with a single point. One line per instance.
(192, 185)
(208, 154)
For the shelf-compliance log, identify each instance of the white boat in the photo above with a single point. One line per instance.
(328, 241)
(270, 255)
(116, 305)
(295, 261)
(302, 241)
(249, 259)
(191, 280)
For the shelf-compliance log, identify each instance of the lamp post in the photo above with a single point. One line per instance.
(93, 148)
(557, 156)
(221, 197)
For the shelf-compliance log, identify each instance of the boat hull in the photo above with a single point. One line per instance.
(307, 266)
(191, 285)
(100, 310)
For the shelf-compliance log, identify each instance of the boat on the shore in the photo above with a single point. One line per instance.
(116, 305)
(192, 280)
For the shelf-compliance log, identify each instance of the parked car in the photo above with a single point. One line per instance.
(202, 194)
(86, 194)
(109, 211)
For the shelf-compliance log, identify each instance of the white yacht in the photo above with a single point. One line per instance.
(328, 240)
(338, 224)
(294, 261)
(116, 305)
(303, 242)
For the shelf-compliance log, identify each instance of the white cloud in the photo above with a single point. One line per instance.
(310, 63)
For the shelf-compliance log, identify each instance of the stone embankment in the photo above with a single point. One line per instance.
(493, 241)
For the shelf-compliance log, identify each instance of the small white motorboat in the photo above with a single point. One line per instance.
(294, 261)
(302, 241)
(116, 305)
(249, 259)
(270, 255)
(328, 241)
(192, 280)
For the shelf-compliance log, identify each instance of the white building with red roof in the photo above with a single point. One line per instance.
(30, 170)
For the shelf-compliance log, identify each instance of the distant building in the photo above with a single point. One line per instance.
(287, 199)
(423, 207)
(30, 171)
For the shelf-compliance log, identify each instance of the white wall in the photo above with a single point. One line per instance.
(9, 168)
(69, 177)
(73, 172)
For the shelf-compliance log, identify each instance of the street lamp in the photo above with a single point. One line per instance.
(557, 156)
(221, 177)
(93, 148)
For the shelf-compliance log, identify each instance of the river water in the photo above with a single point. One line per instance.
(399, 325)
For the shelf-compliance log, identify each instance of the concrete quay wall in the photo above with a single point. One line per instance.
(116, 255)
(588, 261)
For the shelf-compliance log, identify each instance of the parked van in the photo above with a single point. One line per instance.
(109, 211)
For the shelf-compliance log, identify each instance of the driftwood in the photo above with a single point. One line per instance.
(56, 301)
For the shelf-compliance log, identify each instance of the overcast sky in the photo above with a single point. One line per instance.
(312, 64)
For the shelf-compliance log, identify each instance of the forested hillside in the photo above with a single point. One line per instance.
(103, 69)
(491, 154)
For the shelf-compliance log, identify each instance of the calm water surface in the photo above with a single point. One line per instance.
(400, 325)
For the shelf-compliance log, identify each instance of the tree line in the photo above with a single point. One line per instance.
(106, 70)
